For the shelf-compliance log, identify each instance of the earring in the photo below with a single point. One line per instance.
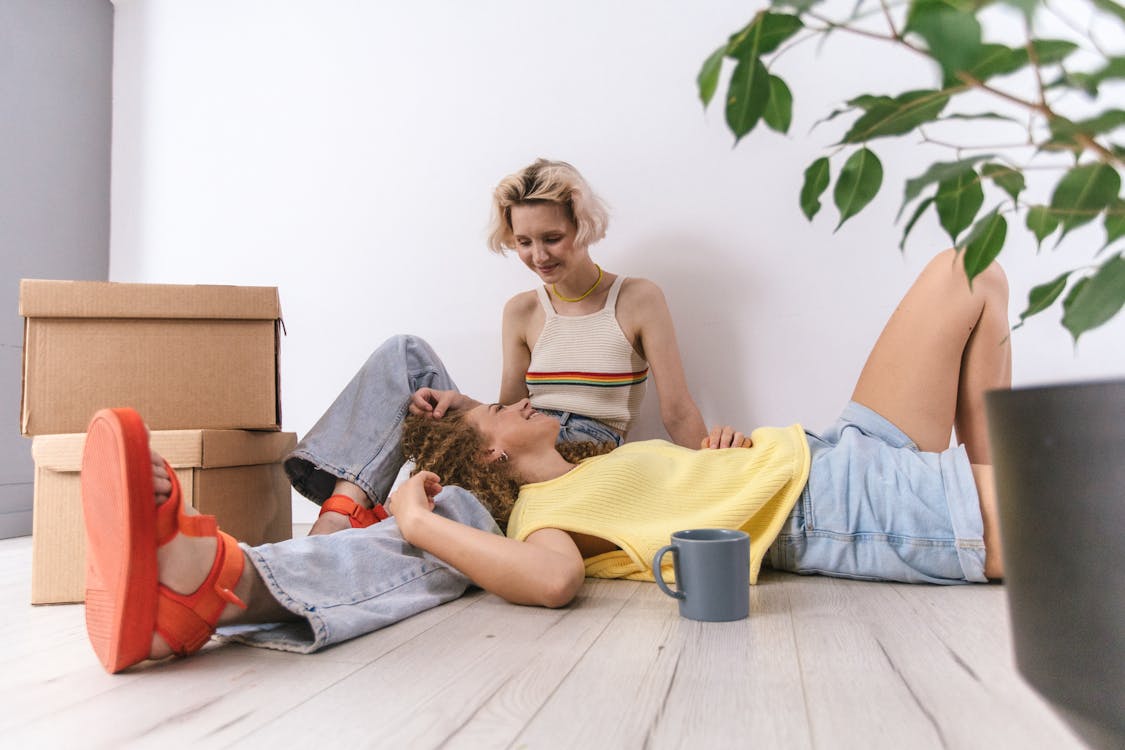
(503, 457)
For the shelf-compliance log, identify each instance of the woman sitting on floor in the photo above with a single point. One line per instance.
(580, 346)
(878, 496)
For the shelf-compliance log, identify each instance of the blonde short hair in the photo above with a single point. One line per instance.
(547, 182)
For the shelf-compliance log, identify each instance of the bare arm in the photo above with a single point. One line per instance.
(545, 570)
(647, 313)
(517, 353)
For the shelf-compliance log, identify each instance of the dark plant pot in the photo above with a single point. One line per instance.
(1059, 455)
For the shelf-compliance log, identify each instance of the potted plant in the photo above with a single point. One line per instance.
(1059, 450)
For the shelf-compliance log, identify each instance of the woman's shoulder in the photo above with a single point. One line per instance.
(637, 291)
(522, 304)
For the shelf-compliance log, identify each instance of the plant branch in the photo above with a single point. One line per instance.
(1104, 153)
(992, 147)
(974, 82)
(890, 21)
(813, 33)
(1086, 33)
(1033, 58)
(1040, 107)
(896, 39)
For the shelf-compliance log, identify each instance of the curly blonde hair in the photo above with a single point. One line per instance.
(454, 450)
(547, 182)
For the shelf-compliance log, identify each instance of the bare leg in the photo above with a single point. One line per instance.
(990, 514)
(943, 347)
(185, 561)
(331, 522)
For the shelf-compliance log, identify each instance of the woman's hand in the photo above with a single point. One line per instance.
(725, 436)
(413, 498)
(435, 403)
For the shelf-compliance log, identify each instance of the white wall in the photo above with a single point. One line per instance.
(344, 152)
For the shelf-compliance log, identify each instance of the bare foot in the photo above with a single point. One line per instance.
(185, 561)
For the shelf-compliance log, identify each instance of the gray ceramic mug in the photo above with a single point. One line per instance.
(712, 573)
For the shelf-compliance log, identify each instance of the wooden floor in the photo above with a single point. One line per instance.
(820, 663)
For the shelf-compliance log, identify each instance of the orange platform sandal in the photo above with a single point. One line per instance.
(125, 602)
(359, 516)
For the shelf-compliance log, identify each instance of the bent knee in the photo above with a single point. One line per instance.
(992, 282)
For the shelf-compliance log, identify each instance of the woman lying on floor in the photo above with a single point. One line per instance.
(878, 496)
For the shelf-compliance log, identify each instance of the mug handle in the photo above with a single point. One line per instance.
(656, 565)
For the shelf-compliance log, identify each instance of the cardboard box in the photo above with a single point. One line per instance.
(183, 356)
(234, 475)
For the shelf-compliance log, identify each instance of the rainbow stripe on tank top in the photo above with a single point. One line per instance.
(594, 379)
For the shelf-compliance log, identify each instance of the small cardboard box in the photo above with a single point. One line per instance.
(183, 356)
(234, 475)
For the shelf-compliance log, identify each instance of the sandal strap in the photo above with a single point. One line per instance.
(186, 622)
(359, 516)
(171, 520)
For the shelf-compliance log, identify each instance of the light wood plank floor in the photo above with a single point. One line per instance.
(820, 663)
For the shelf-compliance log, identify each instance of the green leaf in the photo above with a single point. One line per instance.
(859, 182)
(937, 172)
(995, 60)
(1006, 178)
(896, 116)
(958, 201)
(914, 220)
(1114, 222)
(984, 243)
(747, 96)
(1114, 69)
(708, 78)
(1112, 8)
(749, 90)
(1043, 296)
(1083, 192)
(1095, 299)
(951, 31)
(867, 101)
(798, 5)
(816, 182)
(1064, 130)
(1042, 222)
(763, 35)
(979, 116)
(779, 108)
(864, 102)
(1083, 81)
(1052, 51)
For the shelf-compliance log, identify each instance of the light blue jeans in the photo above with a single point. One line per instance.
(578, 428)
(356, 581)
(877, 508)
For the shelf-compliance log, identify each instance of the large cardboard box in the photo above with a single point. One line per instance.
(184, 356)
(234, 475)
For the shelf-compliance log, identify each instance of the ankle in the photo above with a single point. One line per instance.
(352, 492)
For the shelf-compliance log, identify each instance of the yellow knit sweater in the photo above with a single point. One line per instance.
(637, 495)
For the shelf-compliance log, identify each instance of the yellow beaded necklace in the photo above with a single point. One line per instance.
(587, 293)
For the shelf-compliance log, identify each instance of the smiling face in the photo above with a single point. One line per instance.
(514, 429)
(544, 237)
